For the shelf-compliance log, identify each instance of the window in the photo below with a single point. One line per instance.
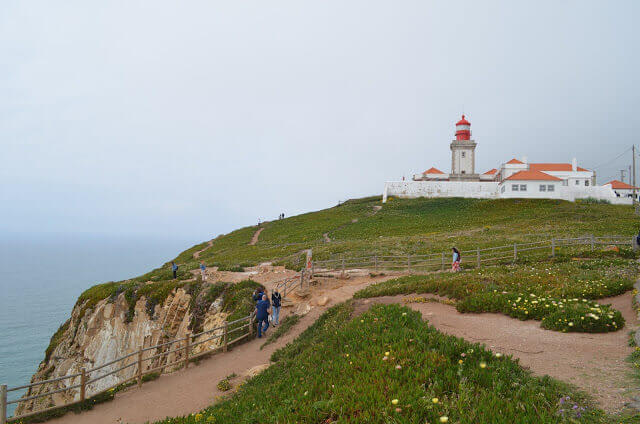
(543, 187)
(577, 182)
(464, 172)
(514, 187)
(551, 187)
(502, 189)
(463, 154)
(523, 187)
(586, 183)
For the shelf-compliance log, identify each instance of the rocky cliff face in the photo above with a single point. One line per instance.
(112, 327)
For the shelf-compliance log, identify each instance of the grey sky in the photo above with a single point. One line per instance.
(192, 118)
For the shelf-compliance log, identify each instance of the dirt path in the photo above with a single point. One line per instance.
(596, 363)
(194, 389)
(255, 237)
(197, 254)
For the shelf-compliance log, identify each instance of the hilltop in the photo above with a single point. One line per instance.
(403, 226)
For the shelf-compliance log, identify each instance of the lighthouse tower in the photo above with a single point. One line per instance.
(463, 154)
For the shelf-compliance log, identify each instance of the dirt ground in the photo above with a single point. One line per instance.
(594, 362)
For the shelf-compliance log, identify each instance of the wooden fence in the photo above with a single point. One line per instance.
(146, 360)
(470, 258)
(182, 348)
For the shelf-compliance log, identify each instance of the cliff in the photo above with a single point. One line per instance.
(115, 319)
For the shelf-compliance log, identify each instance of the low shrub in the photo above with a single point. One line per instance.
(223, 385)
(558, 292)
(389, 366)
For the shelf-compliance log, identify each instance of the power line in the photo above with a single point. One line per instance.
(612, 160)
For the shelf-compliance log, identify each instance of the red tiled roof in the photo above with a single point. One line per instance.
(433, 170)
(491, 172)
(532, 176)
(515, 161)
(553, 167)
(620, 185)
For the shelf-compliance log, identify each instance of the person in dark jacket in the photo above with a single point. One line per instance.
(262, 315)
(174, 268)
(276, 300)
(257, 295)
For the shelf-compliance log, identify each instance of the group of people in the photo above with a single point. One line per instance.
(265, 309)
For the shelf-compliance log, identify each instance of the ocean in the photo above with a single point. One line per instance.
(41, 279)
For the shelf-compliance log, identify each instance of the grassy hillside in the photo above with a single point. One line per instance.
(559, 292)
(389, 366)
(411, 226)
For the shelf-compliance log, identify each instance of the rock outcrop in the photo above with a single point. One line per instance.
(108, 330)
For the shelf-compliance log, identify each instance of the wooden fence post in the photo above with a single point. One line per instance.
(553, 247)
(409, 263)
(3, 404)
(375, 262)
(478, 256)
(187, 342)
(83, 384)
(593, 242)
(224, 337)
(140, 368)
(442, 261)
(343, 264)
(515, 252)
(251, 320)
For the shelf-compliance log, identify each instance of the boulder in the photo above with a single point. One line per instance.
(322, 301)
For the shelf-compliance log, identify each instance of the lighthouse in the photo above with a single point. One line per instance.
(463, 154)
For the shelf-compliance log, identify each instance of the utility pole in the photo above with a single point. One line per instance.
(629, 174)
(622, 171)
(633, 152)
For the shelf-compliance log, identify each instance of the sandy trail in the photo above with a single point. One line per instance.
(197, 254)
(255, 237)
(594, 362)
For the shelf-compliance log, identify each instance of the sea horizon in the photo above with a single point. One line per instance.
(42, 277)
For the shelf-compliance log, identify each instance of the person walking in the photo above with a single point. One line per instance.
(203, 271)
(455, 263)
(174, 269)
(276, 300)
(262, 315)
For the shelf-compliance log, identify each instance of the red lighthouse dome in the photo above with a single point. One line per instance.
(463, 129)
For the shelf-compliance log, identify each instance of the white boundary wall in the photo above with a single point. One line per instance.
(413, 189)
(491, 190)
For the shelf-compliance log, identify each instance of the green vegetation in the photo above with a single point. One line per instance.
(389, 366)
(224, 385)
(402, 226)
(55, 339)
(559, 291)
(283, 328)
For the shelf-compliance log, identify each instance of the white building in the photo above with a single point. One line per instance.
(512, 179)
(622, 189)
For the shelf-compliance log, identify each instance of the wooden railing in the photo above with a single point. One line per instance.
(182, 348)
(146, 360)
(474, 257)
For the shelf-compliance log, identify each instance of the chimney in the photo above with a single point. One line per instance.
(524, 159)
(574, 164)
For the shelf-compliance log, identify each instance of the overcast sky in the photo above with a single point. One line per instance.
(191, 118)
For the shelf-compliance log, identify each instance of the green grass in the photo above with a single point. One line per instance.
(336, 371)
(405, 226)
(559, 292)
(283, 328)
